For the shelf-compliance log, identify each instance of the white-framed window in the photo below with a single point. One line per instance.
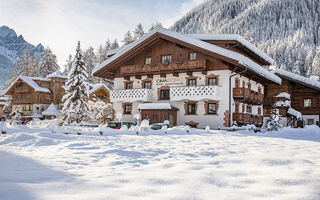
(192, 82)
(212, 108)
(213, 81)
(307, 102)
(193, 56)
(148, 61)
(166, 59)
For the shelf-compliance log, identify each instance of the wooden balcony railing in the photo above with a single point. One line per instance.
(246, 95)
(186, 65)
(246, 118)
(21, 101)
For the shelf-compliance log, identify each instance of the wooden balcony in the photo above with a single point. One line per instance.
(246, 118)
(241, 93)
(191, 65)
(238, 117)
(247, 96)
(21, 101)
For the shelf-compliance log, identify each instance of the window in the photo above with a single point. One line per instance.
(127, 109)
(193, 56)
(212, 81)
(310, 121)
(192, 82)
(249, 109)
(129, 86)
(166, 59)
(307, 102)
(164, 94)
(148, 61)
(147, 85)
(191, 108)
(237, 84)
(212, 108)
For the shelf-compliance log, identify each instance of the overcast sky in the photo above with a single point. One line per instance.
(59, 24)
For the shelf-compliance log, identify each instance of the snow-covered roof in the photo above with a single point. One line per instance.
(294, 112)
(152, 106)
(94, 87)
(4, 98)
(114, 51)
(57, 74)
(284, 94)
(51, 110)
(241, 59)
(234, 37)
(298, 78)
(31, 82)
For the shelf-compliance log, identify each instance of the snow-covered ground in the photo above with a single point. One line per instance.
(39, 164)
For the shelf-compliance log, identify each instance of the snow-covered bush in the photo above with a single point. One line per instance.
(165, 129)
(3, 127)
(124, 128)
(187, 128)
(207, 129)
(101, 111)
(16, 116)
(274, 124)
(144, 125)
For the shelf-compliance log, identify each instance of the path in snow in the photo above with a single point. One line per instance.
(44, 165)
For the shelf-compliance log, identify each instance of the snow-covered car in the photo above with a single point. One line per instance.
(159, 126)
(118, 125)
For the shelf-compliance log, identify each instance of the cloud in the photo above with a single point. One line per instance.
(61, 23)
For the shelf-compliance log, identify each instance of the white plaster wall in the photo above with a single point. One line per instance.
(214, 121)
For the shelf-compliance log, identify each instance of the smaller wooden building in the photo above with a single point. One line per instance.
(295, 95)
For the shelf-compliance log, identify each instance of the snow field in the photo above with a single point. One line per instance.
(39, 164)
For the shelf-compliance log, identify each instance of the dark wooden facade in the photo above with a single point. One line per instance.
(298, 93)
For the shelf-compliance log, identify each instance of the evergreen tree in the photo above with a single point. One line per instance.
(26, 65)
(89, 60)
(114, 45)
(100, 55)
(138, 32)
(16, 116)
(68, 65)
(106, 48)
(316, 63)
(48, 63)
(128, 39)
(75, 108)
(155, 25)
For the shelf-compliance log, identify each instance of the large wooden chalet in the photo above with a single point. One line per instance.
(185, 79)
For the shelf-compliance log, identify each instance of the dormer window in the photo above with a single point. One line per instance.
(128, 85)
(192, 56)
(148, 61)
(166, 59)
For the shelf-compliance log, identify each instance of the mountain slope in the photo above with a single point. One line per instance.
(287, 30)
(11, 46)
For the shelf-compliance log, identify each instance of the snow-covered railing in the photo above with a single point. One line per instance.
(195, 93)
(131, 95)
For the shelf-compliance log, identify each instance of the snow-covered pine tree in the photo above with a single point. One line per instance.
(274, 124)
(138, 32)
(316, 63)
(26, 64)
(89, 58)
(106, 48)
(114, 44)
(68, 64)
(128, 39)
(155, 25)
(48, 63)
(100, 55)
(75, 108)
(16, 116)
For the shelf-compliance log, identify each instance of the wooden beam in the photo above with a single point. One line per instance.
(163, 75)
(204, 72)
(189, 73)
(138, 77)
(149, 75)
(127, 78)
(175, 74)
